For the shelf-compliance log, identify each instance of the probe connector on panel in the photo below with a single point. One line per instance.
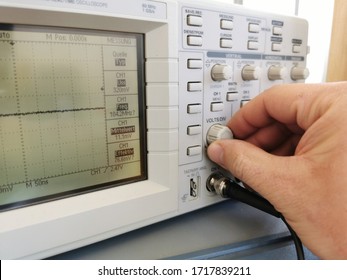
(227, 188)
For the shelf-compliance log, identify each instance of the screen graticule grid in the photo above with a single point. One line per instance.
(52, 111)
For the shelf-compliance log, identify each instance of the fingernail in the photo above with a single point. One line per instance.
(215, 153)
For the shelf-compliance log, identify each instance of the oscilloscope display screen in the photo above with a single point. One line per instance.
(72, 114)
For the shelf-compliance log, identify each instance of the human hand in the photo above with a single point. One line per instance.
(291, 148)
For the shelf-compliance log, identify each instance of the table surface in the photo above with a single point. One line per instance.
(227, 230)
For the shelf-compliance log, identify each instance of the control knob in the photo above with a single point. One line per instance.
(250, 72)
(220, 72)
(218, 132)
(277, 73)
(299, 73)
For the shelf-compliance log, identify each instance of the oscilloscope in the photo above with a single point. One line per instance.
(105, 107)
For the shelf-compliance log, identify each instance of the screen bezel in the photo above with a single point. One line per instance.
(36, 231)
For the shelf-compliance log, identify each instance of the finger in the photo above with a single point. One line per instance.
(267, 174)
(288, 147)
(271, 137)
(295, 105)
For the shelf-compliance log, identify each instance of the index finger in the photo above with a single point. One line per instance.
(294, 105)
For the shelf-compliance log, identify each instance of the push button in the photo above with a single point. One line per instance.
(232, 96)
(194, 40)
(296, 48)
(277, 30)
(194, 129)
(217, 106)
(194, 108)
(194, 86)
(194, 20)
(226, 43)
(194, 64)
(244, 102)
(194, 150)
(276, 47)
(253, 45)
(226, 24)
(253, 28)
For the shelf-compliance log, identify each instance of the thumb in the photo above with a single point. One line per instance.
(267, 174)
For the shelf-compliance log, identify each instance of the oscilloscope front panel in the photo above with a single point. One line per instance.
(105, 108)
(226, 59)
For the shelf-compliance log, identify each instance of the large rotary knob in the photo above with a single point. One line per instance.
(277, 73)
(220, 72)
(299, 73)
(250, 73)
(218, 132)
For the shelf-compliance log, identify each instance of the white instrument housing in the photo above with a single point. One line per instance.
(195, 54)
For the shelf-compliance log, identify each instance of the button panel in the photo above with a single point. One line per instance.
(225, 60)
(191, 89)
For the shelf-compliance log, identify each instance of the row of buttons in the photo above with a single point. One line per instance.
(194, 86)
(253, 28)
(252, 45)
(277, 47)
(197, 108)
(192, 140)
(227, 43)
(225, 24)
(215, 106)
